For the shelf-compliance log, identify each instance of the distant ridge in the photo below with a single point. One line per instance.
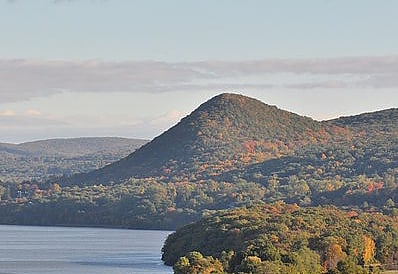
(39, 160)
(71, 146)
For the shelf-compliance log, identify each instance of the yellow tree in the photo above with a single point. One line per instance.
(334, 254)
(369, 250)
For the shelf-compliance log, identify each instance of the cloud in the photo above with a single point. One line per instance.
(32, 112)
(169, 118)
(24, 121)
(342, 65)
(23, 79)
(7, 113)
(334, 84)
(382, 80)
(11, 113)
(31, 118)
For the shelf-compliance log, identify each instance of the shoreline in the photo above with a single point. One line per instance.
(90, 226)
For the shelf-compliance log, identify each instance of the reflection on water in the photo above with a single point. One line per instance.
(64, 250)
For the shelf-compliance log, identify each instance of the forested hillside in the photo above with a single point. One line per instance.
(281, 238)
(40, 160)
(231, 151)
(319, 174)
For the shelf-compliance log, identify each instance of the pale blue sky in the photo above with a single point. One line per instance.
(186, 30)
(134, 68)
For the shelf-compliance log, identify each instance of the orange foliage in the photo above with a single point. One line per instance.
(249, 146)
(352, 214)
(375, 186)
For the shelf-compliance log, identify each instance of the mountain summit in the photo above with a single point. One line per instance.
(227, 132)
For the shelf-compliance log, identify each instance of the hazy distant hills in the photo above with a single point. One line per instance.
(227, 132)
(55, 157)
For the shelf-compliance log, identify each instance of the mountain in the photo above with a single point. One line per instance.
(231, 151)
(39, 160)
(227, 132)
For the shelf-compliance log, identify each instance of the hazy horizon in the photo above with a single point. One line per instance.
(71, 68)
(149, 139)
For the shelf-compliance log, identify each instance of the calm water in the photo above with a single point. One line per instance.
(65, 250)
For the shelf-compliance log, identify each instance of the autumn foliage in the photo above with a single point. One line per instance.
(282, 238)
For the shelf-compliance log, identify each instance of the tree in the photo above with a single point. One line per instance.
(273, 182)
(56, 187)
(390, 203)
(195, 263)
(308, 261)
(369, 250)
(2, 191)
(250, 264)
(349, 266)
(334, 254)
(182, 265)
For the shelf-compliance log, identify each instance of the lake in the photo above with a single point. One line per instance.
(67, 250)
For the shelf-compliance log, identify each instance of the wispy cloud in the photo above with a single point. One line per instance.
(7, 113)
(342, 65)
(29, 118)
(322, 84)
(8, 122)
(23, 79)
(171, 117)
(32, 112)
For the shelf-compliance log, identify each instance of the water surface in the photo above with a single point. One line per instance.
(66, 250)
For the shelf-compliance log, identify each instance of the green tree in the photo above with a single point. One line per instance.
(195, 263)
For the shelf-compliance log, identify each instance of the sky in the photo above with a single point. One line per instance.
(71, 68)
